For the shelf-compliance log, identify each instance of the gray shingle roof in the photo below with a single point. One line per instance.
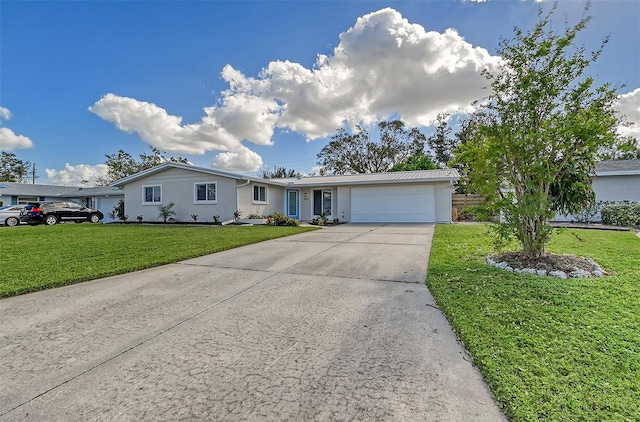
(207, 170)
(27, 189)
(617, 166)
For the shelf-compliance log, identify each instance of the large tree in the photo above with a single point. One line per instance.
(535, 149)
(440, 143)
(12, 169)
(352, 153)
(123, 164)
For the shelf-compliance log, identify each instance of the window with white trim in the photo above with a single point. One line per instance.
(206, 193)
(152, 195)
(259, 194)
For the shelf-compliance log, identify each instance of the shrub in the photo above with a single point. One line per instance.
(166, 213)
(118, 211)
(622, 214)
(282, 220)
(236, 215)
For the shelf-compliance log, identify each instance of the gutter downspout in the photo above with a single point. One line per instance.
(238, 194)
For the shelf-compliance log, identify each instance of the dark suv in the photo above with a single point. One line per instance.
(51, 213)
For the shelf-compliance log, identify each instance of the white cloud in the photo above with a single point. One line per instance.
(5, 113)
(383, 66)
(242, 159)
(628, 105)
(160, 129)
(10, 141)
(73, 175)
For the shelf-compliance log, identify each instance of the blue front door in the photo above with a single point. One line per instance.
(293, 204)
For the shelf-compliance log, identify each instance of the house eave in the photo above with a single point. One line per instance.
(618, 173)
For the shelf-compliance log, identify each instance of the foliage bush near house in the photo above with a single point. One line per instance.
(166, 212)
(118, 211)
(282, 220)
(627, 215)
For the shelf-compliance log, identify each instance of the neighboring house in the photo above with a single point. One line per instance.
(100, 198)
(615, 180)
(414, 196)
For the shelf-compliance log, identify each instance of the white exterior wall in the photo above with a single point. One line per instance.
(343, 209)
(444, 192)
(306, 204)
(617, 188)
(275, 200)
(178, 186)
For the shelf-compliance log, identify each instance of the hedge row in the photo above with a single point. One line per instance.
(627, 215)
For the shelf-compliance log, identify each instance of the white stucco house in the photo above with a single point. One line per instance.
(413, 196)
(103, 198)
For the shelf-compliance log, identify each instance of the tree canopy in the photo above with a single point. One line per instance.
(352, 153)
(12, 169)
(624, 148)
(533, 152)
(278, 173)
(122, 164)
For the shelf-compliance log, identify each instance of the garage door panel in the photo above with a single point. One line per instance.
(411, 204)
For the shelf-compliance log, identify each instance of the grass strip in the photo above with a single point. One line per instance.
(550, 349)
(41, 257)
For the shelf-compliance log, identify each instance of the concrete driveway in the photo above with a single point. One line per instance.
(331, 325)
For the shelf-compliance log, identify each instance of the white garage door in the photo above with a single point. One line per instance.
(393, 204)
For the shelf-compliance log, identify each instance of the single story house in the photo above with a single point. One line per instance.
(103, 198)
(615, 180)
(412, 196)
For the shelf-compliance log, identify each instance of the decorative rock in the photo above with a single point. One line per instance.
(580, 274)
(559, 274)
(596, 270)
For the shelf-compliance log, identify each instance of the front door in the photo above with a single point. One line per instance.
(293, 204)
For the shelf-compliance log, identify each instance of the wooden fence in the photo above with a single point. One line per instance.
(460, 202)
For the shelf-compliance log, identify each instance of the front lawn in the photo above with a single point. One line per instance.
(40, 257)
(550, 349)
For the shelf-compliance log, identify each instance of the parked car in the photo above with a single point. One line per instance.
(10, 215)
(51, 213)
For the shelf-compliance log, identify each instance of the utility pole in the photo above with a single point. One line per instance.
(33, 174)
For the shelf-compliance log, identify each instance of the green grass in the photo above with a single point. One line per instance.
(550, 349)
(40, 257)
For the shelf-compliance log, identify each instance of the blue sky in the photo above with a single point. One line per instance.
(243, 85)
